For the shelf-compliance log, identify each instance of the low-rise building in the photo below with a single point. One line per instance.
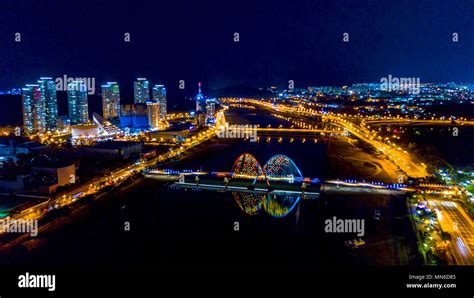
(10, 149)
(51, 174)
(90, 131)
(114, 150)
(175, 136)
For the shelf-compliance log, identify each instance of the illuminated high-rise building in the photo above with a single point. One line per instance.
(50, 103)
(153, 111)
(159, 96)
(110, 100)
(33, 109)
(141, 90)
(210, 110)
(200, 100)
(77, 102)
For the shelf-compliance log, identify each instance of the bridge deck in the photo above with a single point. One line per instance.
(307, 195)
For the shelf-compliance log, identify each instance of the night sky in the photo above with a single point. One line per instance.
(279, 40)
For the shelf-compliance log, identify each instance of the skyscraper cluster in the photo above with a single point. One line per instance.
(156, 106)
(40, 107)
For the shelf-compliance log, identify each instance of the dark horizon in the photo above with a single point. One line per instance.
(194, 41)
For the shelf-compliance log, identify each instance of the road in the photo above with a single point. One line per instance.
(398, 156)
(454, 220)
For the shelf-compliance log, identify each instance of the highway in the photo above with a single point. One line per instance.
(456, 222)
(395, 154)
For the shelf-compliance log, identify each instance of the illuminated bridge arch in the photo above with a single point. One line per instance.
(247, 166)
(281, 167)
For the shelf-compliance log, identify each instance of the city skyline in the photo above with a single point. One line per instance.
(40, 109)
(40, 106)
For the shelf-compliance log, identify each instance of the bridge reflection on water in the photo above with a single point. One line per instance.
(276, 205)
